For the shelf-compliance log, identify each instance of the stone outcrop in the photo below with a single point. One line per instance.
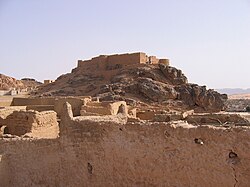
(7, 83)
(31, 83)
(156, 91)
(199, 97)
(174, 75)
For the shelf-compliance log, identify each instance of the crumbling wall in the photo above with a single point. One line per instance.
(6, 111)
(106, 151)
(48, 81)
(36, 123)
(53, 103)
(76, 104)
(102, 108)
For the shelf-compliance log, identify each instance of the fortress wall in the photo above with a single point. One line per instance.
(127, 59)
(111, 61)
(96, 61)
(153, 60)
(143, 58)
(106, 153)
(81, 63)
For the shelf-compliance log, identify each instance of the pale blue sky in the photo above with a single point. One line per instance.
(208, 39)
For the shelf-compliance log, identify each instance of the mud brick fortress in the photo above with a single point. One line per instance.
(118, 60)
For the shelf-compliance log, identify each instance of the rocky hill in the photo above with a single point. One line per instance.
(143, 82)
(7, 83)
(30, 83)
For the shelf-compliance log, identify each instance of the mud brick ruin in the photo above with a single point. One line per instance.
(137, 139)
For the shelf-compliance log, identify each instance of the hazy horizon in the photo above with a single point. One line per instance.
(208, 41)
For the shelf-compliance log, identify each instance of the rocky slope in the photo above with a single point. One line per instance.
(154, 85)
(30, 83)
(7, 83)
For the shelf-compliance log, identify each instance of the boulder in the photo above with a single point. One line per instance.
(195, 95)
(174, 75)
(156, 91)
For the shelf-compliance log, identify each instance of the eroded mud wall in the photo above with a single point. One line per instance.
(107, 154)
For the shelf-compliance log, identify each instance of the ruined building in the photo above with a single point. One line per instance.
(131, 120)
(121, 59)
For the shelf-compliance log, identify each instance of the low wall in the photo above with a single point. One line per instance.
(4, 92)
(40, 108)
(107, 152)
(56, 104)
(5, 103)
(103, 108)
(32, 101)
